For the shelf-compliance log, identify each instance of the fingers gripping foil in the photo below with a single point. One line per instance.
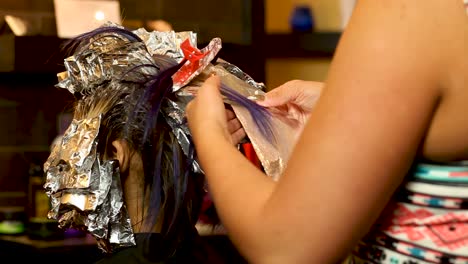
(86, 192)
(273, 156)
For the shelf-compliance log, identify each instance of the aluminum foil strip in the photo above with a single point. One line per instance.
(174, 112)
(96, 206)
(166, 43)
(70, 162)
(98, 64)
(236, 71)
(82, 201)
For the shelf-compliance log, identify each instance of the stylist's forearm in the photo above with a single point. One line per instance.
(234, 183)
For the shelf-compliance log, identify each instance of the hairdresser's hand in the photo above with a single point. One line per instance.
(206, 114)
(294, 100)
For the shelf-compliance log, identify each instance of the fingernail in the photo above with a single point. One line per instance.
(259, 98)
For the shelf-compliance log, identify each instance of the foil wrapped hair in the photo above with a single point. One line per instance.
(148, 78)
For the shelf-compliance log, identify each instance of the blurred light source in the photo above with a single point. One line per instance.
(18, 26)
(99, 16)
(74, 17)
(28, 24)
(28, 17)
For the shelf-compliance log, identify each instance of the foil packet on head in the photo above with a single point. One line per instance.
(85, 192)
(166, 43)
(94, 66)
(174, 113)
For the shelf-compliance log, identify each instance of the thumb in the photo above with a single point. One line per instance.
(278, 96)
(211, 85)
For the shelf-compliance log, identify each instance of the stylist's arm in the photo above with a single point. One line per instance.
(385, 83)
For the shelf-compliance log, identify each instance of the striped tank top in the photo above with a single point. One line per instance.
(426, 221)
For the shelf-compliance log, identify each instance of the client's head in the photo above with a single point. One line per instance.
(126, 163)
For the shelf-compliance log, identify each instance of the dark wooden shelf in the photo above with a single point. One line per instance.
(30, 54)
(25, 79)
(41, 54)
(20, 249)
(37, 59)
(300, 45)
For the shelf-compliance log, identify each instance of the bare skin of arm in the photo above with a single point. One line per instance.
(387, 81)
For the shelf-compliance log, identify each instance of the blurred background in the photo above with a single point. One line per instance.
(272, 40)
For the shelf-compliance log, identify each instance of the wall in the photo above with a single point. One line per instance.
(232, 17)
(28, 111)
(327, 18)
(326, 13)
(26, 5)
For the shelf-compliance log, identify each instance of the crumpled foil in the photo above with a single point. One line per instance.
(104, 60)
(85, 192)
(100, 63)
(166, 43)
(236, 71)
(174, 113)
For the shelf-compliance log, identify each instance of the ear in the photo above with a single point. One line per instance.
(121, 152)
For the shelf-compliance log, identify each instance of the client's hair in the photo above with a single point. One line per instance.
(130, 107)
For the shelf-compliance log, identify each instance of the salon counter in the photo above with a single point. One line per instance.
(83, 250)
(19, 248)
